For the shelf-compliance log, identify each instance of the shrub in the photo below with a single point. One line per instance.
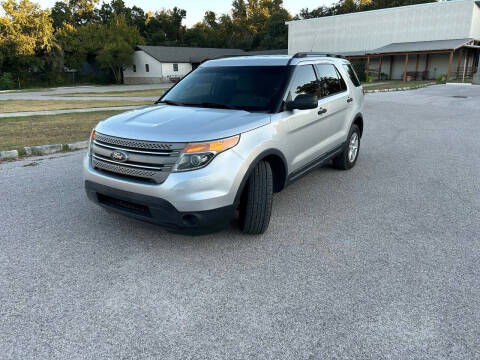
(7, 81)
(441, 79)
(370, 78)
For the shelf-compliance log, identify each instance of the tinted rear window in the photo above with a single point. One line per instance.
(330, 80)
(351, 73)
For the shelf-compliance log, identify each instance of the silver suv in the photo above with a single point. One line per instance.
(220, 142)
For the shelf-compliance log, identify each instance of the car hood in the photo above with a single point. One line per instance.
(170, 123)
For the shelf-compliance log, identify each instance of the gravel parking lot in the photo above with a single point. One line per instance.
(380, 262)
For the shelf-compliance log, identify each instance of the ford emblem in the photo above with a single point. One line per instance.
(119, 156)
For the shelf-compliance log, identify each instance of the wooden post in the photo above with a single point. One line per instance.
(380, 59)
(427, 61)
(476, 55)
(468, 61)
(367, 70)
(459, 62)
(450, 60)
(391, 67)
(416, 67)
(405, 68)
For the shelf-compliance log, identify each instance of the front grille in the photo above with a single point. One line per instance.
(146, 160)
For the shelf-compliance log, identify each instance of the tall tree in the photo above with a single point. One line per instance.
(165, 27)
(111, 45)
(349, 6)
(117, 52)
(26, 36)
(252, 24)
(73, 12)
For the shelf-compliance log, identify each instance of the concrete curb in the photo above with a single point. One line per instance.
(9, 155)
(43, 149)
(400, 88)
(77, 145)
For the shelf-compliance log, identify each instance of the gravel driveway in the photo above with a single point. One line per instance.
(380, 262)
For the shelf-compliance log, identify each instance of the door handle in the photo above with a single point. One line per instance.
(349, 100)
(322, 111)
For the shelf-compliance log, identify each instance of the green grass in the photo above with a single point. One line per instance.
(17, 132)
(393, 84)
(122, 93)
(467, 81)
(8, 106)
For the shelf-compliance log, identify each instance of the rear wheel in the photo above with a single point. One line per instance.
(256, 202)
(348, 157)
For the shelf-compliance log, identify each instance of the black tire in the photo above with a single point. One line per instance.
(256, 202)
(342, 161)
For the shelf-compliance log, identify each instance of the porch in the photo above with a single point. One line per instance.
(425, 60)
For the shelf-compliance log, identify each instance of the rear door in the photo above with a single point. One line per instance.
(335, 100)
(355, 90)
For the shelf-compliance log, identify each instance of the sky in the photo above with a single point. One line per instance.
(196, 8)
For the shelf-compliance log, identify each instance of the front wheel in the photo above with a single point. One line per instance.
(348, 157)
(256, 202)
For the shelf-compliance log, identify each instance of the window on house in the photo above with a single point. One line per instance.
(147, 68)
(175, 67)
(134, 68)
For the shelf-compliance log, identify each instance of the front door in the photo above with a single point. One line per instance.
(306, 127)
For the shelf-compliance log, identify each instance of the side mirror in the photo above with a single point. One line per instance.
(303, 102)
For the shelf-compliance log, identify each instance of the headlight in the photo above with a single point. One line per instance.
(198, 155)
(90, 141)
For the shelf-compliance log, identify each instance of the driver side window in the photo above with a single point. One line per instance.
(304, 82)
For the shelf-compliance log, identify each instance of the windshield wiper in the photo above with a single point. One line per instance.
(169, 102)
(211, 105)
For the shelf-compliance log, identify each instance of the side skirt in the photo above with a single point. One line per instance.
(294, 176)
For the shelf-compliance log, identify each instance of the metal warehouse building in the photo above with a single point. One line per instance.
(410, 42)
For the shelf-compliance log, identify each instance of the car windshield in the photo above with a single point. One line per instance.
(250, 88)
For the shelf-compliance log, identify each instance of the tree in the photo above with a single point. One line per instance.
(165, 27)
(26, 36)
(120, 41)
(349, 6)
(80, 43)
(73, 12)
(111, 45)
(61, 14)
(252, 24)
(275, 32)
(134, 16)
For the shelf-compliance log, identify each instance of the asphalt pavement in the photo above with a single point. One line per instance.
(380, 262)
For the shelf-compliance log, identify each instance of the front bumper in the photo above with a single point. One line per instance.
(159, 211)
(212, 187)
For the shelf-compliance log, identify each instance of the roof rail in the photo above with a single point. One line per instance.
(229, 56)
(299, 55)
